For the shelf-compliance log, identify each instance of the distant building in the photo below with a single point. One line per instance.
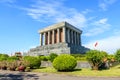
(18, 54)
(59, 38)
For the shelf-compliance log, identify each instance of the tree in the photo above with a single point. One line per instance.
(111, 57)
(95, 58)
(117, 55)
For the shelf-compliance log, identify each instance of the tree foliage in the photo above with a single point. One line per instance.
(95, 58)
(111, 57)
(117, 55)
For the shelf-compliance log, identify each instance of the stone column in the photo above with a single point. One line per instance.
(71, 36)
(48, 37)
(58, 36)
(64, 34)
(44, 38)
(53, 36)
(75, 37)
(68, 35)
(79, 39)
(41, 39)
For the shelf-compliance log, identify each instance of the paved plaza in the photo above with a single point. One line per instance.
(15, 75)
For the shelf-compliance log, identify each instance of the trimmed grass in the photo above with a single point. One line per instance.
(45, 69)
(112, 72)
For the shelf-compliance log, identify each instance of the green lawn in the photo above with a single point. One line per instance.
(112, 72)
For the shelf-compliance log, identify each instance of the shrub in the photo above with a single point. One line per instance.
(12, 65)
(3, 65)
(12, 58)
(3, 57)
(80, 57)
(27, 69)
(21, 68)
(96, 58)
(34, 62)
(64, 62)
(44, 58)
(25, 63)
(52, 56)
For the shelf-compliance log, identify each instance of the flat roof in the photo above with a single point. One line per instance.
(60, 25)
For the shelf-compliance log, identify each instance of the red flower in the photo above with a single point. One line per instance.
(21, 68)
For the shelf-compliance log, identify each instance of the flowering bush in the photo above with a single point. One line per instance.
(21, 68)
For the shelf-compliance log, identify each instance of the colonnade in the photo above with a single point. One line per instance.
(59, 35)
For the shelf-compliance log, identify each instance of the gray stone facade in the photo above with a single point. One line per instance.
(59, 38)
(52, 48)
(59, 48)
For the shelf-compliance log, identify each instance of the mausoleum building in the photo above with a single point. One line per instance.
(59, 38)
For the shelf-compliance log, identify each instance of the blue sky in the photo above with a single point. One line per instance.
(20, 21)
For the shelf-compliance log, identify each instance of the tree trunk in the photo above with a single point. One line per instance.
(95, 67)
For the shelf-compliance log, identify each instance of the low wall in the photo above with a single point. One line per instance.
(79, 64)
(83, 65)
(46, 64)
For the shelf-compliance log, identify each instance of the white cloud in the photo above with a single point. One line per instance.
(97, 27)
(104, 4)
(86, 11)
(55, 11)
(116, 32)
(8, 2)
(102, 21)
(110, 1)
(45, 11)
(110, 44)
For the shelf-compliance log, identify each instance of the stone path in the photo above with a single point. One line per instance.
(14, 75)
